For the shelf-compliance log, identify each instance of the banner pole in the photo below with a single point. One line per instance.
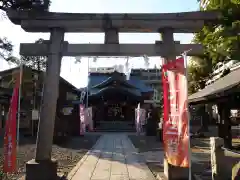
(19, 102)
(189, 144)
(19, 108)
(87, 82)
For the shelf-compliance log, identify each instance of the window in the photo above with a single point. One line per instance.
(145, 78)
(156, 95)
(4, 84)
(71, 96)
(152, 78)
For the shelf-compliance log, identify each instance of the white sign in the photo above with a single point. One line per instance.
(83, 93)
(67, 111)
(35, 115)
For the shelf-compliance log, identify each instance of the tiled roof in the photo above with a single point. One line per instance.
(135, 92)
(225, 83)
(134, 81)
(140, 84)
(95, 80)
(9, 71)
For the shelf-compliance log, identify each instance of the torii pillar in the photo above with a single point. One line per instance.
(111, 36)
(171, 172)
(43, 167)
(1, 117)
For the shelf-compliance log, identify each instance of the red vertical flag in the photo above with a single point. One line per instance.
(176, 136)
(10, 151)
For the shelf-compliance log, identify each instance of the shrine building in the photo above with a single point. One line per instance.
(113, 99)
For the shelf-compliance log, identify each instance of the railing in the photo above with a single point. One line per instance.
(235, 66)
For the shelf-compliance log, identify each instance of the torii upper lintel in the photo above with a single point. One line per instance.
(184, 22)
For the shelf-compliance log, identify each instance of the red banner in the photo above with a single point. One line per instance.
(10, 150)
(175, 126)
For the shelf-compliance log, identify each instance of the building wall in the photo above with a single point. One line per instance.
(1, 117)
(152, 78)
(119, 68)
(32, 87)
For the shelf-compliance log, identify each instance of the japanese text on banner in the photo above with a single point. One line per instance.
(175, 127)
(10, 150)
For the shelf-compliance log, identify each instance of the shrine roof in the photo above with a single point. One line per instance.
(134, 92)
(218, 88)
(11, 71)
(96, 79)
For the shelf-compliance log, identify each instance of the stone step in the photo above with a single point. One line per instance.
(115, 126)
(109, 130)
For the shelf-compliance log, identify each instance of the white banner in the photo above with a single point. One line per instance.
(82, 119)
(89, 120)
(140, 119)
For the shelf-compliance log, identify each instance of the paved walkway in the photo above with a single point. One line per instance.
(113, 158)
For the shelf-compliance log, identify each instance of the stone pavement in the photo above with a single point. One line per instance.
(112, 158)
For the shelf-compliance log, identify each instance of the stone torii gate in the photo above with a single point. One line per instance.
(43, 167)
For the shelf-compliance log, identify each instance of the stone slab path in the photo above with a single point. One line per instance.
(114, 157)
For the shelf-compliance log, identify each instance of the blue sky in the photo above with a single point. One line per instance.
(77, 73)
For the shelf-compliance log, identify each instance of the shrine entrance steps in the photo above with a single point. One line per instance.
(113, 157)
(115, 126)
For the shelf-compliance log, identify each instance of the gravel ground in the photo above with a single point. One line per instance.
(67, 155)
(145, 144)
